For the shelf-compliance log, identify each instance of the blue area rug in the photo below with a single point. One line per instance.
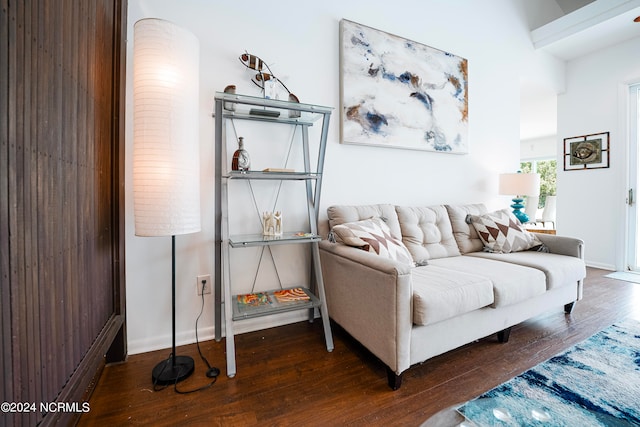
(594, 383)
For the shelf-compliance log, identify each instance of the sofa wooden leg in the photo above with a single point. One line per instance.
(503, 335)
(395, 381)
(568, 308)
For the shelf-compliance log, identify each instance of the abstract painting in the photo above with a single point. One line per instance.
(399, 93)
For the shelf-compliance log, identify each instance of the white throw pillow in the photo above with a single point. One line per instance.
(372, 235)
(502, 232)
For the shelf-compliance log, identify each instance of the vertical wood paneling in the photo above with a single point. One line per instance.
(20, 308)
(31, 226)
(25, 140)
(6, 365)
(62, 198)
(118, 350)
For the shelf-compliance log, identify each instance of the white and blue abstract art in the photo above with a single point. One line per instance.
(402, 94)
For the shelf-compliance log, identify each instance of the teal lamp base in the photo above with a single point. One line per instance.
(516, 206)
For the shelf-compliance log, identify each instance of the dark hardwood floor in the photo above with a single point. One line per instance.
(286, 376)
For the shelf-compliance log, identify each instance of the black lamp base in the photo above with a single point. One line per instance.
(167, 372)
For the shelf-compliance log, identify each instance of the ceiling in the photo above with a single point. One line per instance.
(586, 27)
(569, 6)
(595, 26)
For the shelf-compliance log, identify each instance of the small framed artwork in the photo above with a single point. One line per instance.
(587, 152)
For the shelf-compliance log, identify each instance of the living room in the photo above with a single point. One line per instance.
(358, 174)
(301, 46)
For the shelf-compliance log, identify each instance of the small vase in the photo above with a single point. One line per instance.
(240, 160)
(269, 88)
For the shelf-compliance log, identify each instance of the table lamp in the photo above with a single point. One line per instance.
(518, 185)
(166, 171)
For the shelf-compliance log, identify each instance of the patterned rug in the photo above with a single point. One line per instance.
(594, 383)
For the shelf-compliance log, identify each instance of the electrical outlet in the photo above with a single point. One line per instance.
(206, 278)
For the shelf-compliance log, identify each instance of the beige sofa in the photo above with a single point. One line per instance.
(407, 312)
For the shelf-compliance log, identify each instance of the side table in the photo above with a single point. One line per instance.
(541, 230)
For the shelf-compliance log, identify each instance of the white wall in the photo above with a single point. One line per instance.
(591, 204)
(539, 148)
(300, 40)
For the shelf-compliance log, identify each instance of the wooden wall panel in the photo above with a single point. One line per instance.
(62, 195)
(6, 371)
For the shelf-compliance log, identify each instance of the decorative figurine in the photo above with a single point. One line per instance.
(240, 160)
(294, 113)
(272, 223)
(230, 106)
(278, 218)
(262, 79)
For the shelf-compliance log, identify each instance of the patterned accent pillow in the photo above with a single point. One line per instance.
(501, 232)
(372, 235)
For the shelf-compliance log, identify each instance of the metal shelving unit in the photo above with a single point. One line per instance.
(304, 116)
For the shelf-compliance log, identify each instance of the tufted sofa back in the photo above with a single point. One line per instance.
(343, 214)
(465, 234)
(429, 232)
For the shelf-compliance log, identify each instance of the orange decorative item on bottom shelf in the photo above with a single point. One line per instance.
(289, 295)
(257, 299)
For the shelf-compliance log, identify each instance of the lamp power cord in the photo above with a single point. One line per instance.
(212, 371)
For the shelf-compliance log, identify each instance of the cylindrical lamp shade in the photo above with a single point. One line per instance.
(519, 184)
(166, 161)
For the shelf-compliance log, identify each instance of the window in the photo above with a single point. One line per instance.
(547, 170)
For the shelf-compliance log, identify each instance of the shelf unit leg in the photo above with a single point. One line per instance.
(228, 314)
(324, 313)
(231, 356)
(217, 260)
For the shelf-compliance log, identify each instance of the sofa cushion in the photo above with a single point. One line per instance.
(501, 232)
(372, 235)
(440, 293)
(560, 270)
(464, 233)
(512, 283)
(426, 232)
(340, 214)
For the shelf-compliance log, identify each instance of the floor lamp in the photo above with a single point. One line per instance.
(519, 184)
(166, 172)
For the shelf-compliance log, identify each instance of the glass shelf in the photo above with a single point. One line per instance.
(272, 175)
(309, 113)
(244, 311)
(252, 240)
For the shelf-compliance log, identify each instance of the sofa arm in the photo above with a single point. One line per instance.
(563, 245)
(371, 298)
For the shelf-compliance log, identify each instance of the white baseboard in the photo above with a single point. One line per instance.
(164, 341)
(208, 333)
(600, 265)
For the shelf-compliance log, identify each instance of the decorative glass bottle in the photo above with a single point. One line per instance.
(240, 160)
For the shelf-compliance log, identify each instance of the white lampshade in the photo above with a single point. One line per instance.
(166, 164)
(519, 184)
